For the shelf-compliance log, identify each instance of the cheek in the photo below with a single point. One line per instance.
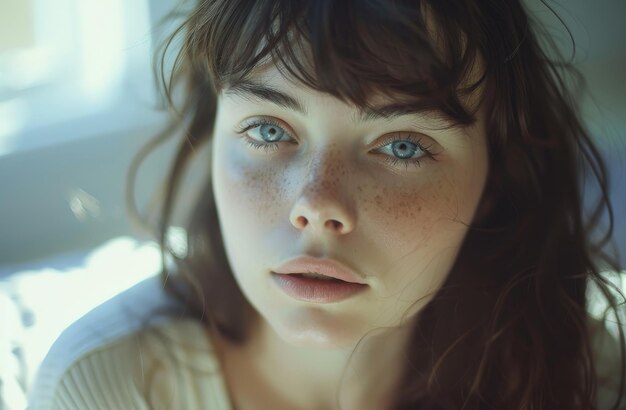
(409, 217)
(415, 230)
(248, 196)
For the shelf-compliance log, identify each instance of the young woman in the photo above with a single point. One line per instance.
(393, 220)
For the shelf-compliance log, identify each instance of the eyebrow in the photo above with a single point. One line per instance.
(253, 92)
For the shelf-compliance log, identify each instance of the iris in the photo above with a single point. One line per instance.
(400, 148)
(271, 133)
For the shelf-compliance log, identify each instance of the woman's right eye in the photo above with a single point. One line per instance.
(263, 134)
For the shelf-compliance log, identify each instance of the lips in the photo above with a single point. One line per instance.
(316, 280)
(312, 290)
(326, 267)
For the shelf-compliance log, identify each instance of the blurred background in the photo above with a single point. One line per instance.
(78, 100)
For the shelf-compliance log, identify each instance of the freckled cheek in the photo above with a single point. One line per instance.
(410, 218)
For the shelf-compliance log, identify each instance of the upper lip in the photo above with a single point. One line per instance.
(326, 267)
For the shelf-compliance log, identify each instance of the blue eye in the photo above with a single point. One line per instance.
(263, 134)
(400, 151)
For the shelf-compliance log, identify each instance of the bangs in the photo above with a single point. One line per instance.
(412, 52)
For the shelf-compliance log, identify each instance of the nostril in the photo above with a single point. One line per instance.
(302, 222)
(335, 224)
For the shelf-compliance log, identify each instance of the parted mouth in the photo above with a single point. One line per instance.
(315, 275)
(323, 269)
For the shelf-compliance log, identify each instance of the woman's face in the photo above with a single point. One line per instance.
(400, 189)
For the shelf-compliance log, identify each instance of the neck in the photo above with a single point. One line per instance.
(311, 378)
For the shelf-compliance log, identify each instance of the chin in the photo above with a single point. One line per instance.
(313, 327)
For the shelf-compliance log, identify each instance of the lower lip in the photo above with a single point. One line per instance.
(316, 290)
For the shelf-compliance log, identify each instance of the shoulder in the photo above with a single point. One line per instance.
(98, 354)
(168, 365)
(106, 377)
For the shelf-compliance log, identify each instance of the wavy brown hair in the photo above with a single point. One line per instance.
(510, 328)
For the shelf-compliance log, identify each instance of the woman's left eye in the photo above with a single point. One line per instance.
(265, 134)
(405, 150)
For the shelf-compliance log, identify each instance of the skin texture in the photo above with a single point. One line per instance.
(327, 191)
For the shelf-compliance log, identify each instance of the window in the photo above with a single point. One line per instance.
(73, 68)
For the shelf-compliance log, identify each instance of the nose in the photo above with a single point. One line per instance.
(322, 205)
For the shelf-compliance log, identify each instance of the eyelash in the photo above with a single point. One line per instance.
(267, 147)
